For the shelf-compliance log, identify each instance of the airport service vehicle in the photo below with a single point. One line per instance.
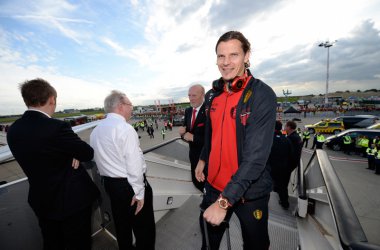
(178, 120)
(335, 142)
(320, 216)
(358, 121)
(326, 127)
(76, 120)
(374, 126)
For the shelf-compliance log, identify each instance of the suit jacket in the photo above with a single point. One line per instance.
(198, 132)
(45, 148)
(296, 141)
(281, 155)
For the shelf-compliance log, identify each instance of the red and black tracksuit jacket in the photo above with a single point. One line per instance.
(255, 117)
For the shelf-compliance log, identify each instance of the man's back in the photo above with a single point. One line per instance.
(297, 148)
(281, 154)
(110, 139)
(45, 149)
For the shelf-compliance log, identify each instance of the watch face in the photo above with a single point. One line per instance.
(223, 203)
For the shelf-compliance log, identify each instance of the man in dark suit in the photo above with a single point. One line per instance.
(194, 128)
(296, 141)
(61, 193)
(280, 158)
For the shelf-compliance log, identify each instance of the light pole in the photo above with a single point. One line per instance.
(327, 45)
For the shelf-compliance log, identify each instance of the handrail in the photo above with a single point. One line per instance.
(301, 182)
(160, 145)
(6, 154)
(350, 231)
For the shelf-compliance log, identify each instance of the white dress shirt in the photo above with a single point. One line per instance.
(33, 109)
(117, 152)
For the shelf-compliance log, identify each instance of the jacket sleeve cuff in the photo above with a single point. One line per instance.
(232, 194)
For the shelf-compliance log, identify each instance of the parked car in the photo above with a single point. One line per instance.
(326, 127)
(374, 126)
(178, 120)
(335, 142)
(358, 121)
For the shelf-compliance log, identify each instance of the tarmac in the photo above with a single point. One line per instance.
(360, 184)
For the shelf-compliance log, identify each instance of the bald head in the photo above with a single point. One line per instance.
(196, 95)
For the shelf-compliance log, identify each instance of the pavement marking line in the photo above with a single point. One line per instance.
(337, 158)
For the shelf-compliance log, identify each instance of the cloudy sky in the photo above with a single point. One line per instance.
(155, 49)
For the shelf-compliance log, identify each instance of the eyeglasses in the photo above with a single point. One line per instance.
(128, 104)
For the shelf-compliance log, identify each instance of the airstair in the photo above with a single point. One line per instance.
(320, 215)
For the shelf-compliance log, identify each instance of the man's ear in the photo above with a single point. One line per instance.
(52, 100)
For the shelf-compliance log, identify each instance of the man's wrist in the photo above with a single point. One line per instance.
(223, 202)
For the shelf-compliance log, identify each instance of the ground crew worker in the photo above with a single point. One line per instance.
(377, 162)
(376, 141)
(371, 157)
(347, 141)
(314, 141)
(320, 140)
(299, 132)
(163, 132)
(166, 125)
(142, 125)
(305, 137)
(358, 144)
(364, 143)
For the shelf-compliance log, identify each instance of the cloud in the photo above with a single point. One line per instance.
(353, 58)
(115, 46)
(72, 92)
(157, 49)
(49, 18)
(231, 15)
(53, 15)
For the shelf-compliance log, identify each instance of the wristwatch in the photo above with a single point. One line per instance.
(223, 203)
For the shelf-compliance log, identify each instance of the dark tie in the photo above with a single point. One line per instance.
(193, 118)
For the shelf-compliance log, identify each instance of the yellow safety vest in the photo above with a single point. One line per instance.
(364, 143)
(320, 138)
(347, 139)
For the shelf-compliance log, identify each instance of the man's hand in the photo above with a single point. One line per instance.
(181, 130)
(188, 136)
(199, 175)
(75, 163)
(214, 214)
(140, 204)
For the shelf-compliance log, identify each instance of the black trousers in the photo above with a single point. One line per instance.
(280, 186)
(71, 233)
(347, 148)
(305, 142)
(125, 220)
(371, 162)
(253, 217)
(194, 158)
(319, 145)
(377, 166)
(314, 143)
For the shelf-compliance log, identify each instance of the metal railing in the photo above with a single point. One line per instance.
(351, 234)
(6, 154)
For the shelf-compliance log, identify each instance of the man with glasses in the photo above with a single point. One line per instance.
(121, 163)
